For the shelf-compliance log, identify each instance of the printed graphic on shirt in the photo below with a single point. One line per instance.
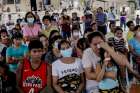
(32, 81)
(70, 83)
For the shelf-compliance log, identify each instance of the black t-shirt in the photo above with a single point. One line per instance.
(8, 84)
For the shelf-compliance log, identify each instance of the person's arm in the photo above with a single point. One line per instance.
(130, 68)
(18, 76)
(132, 50)
(9, 58)
(118, 57)
(55, 78)
(48, 88)
(111, 75)
(101, 72)
(90, 72)
(56, 86)
(106, 19)
(80, 89)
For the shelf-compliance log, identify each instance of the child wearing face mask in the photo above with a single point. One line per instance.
(67, 72)
(118, 41)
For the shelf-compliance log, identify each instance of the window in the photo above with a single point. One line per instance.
(10, 1)
(17, 1)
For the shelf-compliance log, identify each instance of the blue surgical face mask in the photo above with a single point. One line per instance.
(66, 53)
(30, 20)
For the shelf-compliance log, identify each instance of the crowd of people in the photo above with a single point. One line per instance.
(53, 55)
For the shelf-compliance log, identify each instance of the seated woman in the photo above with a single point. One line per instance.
(67, 72)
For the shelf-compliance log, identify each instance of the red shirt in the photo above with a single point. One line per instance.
(33, 81)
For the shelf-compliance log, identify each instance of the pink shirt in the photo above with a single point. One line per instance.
(31, 32)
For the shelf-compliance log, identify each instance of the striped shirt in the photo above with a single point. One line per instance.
(119, 45)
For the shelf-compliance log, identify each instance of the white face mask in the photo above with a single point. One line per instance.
(76, 34)
(66, 53)
(30, 20)
(65, 13)
(98, 46)
(117, 38)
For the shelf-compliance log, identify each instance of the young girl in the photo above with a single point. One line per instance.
(107, 77)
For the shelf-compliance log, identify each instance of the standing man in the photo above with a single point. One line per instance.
(101, 19)
(33, 5)
(123, 15)
(111, 15)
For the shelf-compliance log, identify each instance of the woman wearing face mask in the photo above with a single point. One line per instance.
(67, 72)
(31, 30)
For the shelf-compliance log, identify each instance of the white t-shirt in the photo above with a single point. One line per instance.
(90, 59)
(68, 74)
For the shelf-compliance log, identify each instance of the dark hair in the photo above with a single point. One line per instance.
(35, 44)
(93, 23)
(3, 31)
(52, 33)
(63, 42)
(118, 29)
(112, 22)
(5, 66)
(42, 35)
(51, 42)
(100, 8)
(88, 30)
(46, 17)
(136, 27)
(17, 35)
(18, 26)
(82, 44)
(129, 23)
(95, 34)
(56, 38)
(28, 14)
(3, 27)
